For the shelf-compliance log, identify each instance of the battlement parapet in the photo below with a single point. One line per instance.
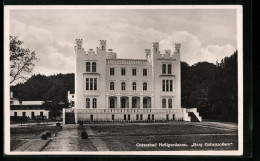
(155, 44)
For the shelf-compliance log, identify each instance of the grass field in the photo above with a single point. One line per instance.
(128, 137)
(164, 136)
(21, 135)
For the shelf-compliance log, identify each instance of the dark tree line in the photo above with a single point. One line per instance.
(211, 88)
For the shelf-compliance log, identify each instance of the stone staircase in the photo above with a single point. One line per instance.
(194, 115)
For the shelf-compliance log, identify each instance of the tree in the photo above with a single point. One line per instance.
(21, 60)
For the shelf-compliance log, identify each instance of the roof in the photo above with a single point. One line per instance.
(32, 102)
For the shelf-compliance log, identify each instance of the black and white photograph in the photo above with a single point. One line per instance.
(123, 80)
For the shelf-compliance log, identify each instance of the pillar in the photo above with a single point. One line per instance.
(130, 101)
(141, 102)
(107, 102)
(118, 102)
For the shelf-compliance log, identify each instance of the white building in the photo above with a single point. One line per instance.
(108, 88)
(71, 99)
(29, 109)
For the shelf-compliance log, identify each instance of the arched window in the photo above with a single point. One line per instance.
(163, 103)
(112, 86)
(169, 103)
(134, 86)
(123, 86)
(94, 65)
(145, 86)
(87, 66)
(87, 103)
(94, 103)
(163, 69)
(169, 69)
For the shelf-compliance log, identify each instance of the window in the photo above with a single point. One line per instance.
(15, 114)
(167, 117)
(87, 83)
(144, 72)
(167, 85)
(128, 117)
(145, 86)
(169, 69)
(41, 114)
(87, 103)
(124, 117)
(123, 86)
(137, 117)
(94, 103)
(91, 84)
(163, 85)
(88, 67)
(133, 71)
(91, 117)
(134, 86)
(163, 69)
(24, 114)
(112, 103)
(170, 103)
(152, 116)
(32, 115)
(122, 71)
(141, 116)
(164, 103)
(94, 65)
(72, 96)
(113, 117)
(112, 71)
(95, 84)
(112, 86)
(145, 102)
(171, 85)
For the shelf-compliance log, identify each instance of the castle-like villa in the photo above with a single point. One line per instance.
(108, 88)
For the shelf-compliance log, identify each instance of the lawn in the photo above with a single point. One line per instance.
(20, 135)
(128, 137)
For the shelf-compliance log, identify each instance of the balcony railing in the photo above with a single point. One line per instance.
(130, 110)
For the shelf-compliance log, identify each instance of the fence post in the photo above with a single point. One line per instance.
(63, 116)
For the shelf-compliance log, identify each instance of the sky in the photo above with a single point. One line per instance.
(205, 34)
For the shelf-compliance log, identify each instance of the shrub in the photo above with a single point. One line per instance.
(48, 134)
(44, 137)
(84, 135)
(80, 122)
(58, 124)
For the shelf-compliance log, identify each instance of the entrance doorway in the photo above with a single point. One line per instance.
(123, 103)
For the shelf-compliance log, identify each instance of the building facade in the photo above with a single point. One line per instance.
(108, 88)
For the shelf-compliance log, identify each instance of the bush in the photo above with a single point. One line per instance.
(48, 134)
(84, 135)
(58, 124)
(44, 137)
(80, 122)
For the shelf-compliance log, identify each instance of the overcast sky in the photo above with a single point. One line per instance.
(205, 35)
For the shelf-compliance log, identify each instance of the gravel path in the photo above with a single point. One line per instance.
(68, 139)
